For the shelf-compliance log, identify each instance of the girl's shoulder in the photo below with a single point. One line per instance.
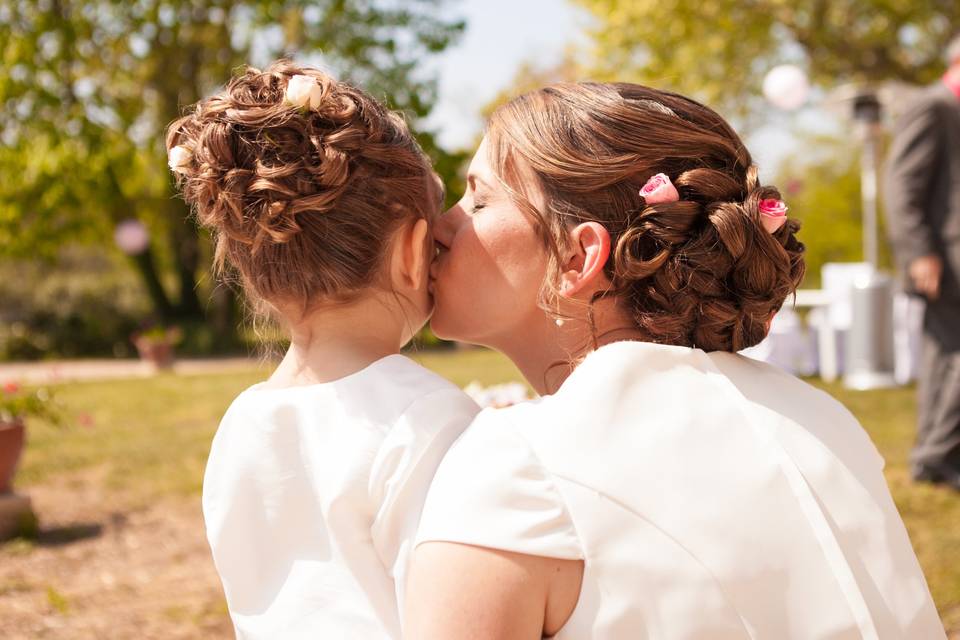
(380, 392)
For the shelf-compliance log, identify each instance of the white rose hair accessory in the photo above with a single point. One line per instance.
(304, 92)
(659, 189)
(179, 159)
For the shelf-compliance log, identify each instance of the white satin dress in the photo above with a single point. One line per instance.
(710, 496)
(312, 496)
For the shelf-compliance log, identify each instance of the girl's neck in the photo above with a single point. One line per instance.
(331, 343)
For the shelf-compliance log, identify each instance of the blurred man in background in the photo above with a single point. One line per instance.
(923, 205)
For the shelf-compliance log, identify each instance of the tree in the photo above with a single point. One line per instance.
(718, 51)
(822, 186)
(87, 88)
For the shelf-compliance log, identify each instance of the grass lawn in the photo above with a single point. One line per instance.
(147, 439)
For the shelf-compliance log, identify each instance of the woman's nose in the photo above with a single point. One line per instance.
(445, 226)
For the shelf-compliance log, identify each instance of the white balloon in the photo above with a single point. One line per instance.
(786, 87)
(132, 237)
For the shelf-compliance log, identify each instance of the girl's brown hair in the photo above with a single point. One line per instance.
(699, 272)
(301, 202)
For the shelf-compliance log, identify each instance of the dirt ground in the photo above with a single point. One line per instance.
(111, 570)
(100, 570)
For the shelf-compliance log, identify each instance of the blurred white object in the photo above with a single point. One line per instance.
(132, 237)
(788, 345)
(786, 87)
(834, 316)
(497, 396)
(868, 358)
(907, 336)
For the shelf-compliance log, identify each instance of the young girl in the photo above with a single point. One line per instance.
(318, 199)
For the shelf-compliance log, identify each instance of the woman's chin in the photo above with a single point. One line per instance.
(442, 325)
(437, 326)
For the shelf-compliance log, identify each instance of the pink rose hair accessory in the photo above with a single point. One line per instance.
(773, 214)
(659, 189)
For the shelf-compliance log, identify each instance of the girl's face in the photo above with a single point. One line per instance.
(490, 265)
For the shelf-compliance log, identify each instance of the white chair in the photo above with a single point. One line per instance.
(788, 345)
(833, 318)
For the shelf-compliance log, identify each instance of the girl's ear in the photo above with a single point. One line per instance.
(582, 271)
(412, 254)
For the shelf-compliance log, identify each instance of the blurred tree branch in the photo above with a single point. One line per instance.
(87, 88)
(718, 51)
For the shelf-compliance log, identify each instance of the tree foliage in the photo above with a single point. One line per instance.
(718, 51)
(823, 190)
(87, 88)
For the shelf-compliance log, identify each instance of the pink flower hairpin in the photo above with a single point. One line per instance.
(659, 189)
(773, 214)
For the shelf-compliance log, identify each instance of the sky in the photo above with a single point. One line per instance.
(500, 36)
(503, 34)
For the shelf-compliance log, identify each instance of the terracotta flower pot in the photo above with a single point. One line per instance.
(11, 446)
(160, 354)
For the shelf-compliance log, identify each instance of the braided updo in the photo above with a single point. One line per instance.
(300, 201)
(700, 272)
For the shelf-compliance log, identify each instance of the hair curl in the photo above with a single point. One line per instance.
(300, 202)
(700, 272)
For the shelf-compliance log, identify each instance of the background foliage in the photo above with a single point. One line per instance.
(87, 88)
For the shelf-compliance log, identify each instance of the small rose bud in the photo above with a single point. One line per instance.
(304, 92)
(773, 214)
(659, 189)
(179, 159)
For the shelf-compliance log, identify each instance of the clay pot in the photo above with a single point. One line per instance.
(159, 354)
(11, 446)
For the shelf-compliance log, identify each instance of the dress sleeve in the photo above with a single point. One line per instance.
(492, 491)
(403, 468)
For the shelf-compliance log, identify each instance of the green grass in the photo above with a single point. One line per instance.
(149, 438)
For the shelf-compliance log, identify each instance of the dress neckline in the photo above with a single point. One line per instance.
(261, 387)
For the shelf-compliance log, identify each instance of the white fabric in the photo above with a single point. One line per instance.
(312, 496)
(710, 496)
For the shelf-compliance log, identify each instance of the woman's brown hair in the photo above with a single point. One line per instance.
(700, 272)
(300, 202)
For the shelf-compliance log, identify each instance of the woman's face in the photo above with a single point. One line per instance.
(490, 265)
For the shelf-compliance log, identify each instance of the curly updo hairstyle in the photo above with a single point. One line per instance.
(701, 272)
(300, 202)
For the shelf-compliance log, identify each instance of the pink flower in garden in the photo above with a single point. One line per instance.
(11, 387)
(773, 214)
(659, 189)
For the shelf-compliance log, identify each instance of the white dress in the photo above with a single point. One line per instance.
(312, 497)
(710, 496)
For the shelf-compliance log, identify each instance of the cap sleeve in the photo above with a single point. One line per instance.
(492, 491)
(403, 468)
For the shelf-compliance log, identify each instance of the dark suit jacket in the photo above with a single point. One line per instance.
(922, 185)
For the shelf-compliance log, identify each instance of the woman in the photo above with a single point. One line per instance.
(615, 242)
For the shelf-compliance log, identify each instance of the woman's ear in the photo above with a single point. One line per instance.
(412, 254)
(582, 272)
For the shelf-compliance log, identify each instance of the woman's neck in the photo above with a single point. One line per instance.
(546, 354)
(334, 342)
